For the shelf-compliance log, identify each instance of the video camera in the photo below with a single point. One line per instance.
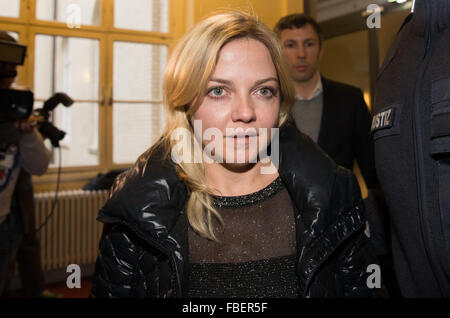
(18, 104)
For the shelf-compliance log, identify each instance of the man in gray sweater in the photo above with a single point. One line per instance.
(336, 117)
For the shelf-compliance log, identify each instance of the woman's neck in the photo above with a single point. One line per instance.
(228, 180)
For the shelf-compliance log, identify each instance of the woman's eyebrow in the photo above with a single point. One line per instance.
(220, 80)
(258, 82)
(262, 81)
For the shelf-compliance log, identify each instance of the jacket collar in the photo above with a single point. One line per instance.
(316, 91)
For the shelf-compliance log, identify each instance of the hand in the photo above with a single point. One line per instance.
(26, 127)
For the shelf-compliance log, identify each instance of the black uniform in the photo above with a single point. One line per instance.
(411, 131)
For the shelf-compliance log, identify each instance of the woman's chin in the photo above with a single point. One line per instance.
(239, 167)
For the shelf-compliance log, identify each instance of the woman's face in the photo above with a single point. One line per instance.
(242, 102)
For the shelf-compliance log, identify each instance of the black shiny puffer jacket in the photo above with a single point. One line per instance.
(144, 247)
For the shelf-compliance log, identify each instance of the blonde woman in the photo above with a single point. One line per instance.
(225, 204)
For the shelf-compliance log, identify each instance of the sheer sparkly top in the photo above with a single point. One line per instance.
(256, 252)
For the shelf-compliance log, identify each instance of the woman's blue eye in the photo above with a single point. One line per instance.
(266, 92)
(217, 91)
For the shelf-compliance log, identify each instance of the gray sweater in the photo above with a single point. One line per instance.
(307, 114)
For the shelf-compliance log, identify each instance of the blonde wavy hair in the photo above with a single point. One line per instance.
(189, 69)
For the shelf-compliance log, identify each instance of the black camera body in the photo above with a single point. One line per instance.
(18, 105)
(15, 104)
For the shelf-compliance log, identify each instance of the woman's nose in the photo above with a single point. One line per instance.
(243, 110)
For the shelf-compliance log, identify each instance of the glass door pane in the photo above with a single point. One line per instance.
(137, 98)
(143, 15)
(10, 8)
(71, 65)
(136, 127)
(85, 12)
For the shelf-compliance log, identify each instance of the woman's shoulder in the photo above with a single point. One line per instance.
(313, 179)
(149, 189)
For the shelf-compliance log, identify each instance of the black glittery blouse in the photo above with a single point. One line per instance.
(256, 252)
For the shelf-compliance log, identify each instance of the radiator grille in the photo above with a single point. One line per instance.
(72, 233)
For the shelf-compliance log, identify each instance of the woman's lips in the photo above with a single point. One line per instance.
(241, 140)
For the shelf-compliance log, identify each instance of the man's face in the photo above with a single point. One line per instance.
(302, 51)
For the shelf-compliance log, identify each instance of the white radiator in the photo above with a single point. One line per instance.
(72, 234)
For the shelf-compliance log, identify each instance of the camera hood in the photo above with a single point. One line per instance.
(12, 53)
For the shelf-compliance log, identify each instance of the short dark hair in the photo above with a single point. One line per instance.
(298, 20)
